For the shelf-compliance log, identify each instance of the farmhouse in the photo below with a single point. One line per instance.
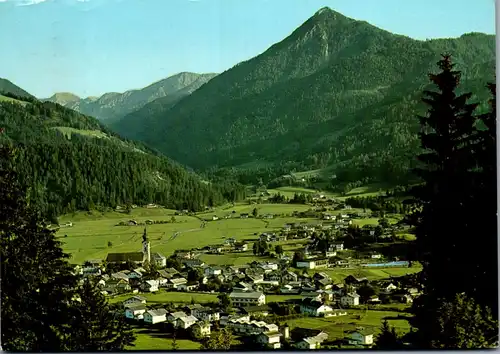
(134, 300)
(315, 308)
(269, 339)
(350, 300)
(186, 321)
(361, 336)
(155, 316)
(135, 311)
(243, 299)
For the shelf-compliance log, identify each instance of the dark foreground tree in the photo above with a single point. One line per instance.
(38, 285)
(388, 339)
(450, 244)
(96, 325)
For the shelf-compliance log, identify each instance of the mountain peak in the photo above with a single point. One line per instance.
(323, 10)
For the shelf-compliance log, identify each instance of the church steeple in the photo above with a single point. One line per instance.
(146, 248)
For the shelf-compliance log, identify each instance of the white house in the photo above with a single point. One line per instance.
(159, 259)
(203, 328)
(135, 311)
(269, 339)
(350, 300)
(186, 321)
(306, 264)
(150, 285)
(315, 308)
(174, 316)
(361, 337)
(187, 287)
(242, 299)
(155, 316)
(176, 282)
(211, 271)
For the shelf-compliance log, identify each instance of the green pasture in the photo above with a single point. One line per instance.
(339, 274)
(169, 296)
(154, 339)
(336, 327)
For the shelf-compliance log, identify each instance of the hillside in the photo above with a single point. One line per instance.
(71, 162)
(337, 92)
(112, 106)
(7, 86)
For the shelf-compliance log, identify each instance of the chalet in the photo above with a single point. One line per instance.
(159, 259)
(314, 308)
(361, 336)
(135, 312)
(243, 299)
(150, 285)
(203, 328)
(244, 216)
(206, 314)
(174, 283)
(289, 289)
(211, 271)
(134, 300)
(310, 341)
(134, 257)
(289, 276)
(352, 280)
(155, 316)
(269, 339)
(241, 247)
(373, 300)
(262, 310)
(350, 299)
(174, 316)
(186, 321)
(339, 246)
(188, 286)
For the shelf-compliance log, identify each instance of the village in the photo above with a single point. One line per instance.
(255, 300)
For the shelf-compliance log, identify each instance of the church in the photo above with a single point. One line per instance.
(140, 258)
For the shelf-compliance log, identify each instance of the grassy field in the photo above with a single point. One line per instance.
(170, 296)
(338, 275)
(336, 327)
(152, 339)
(89, 236)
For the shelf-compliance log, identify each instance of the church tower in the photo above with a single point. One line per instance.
(146, 248)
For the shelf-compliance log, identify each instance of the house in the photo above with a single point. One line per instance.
(350, 279)
(314, 308)
(215, 217)
(324, 284)
(361, 336)
(244, 216)
(376, 256)
(256, 310)
(308, 339)
(350, 300)
(174, 283)
(150, 285)
(289, 289)
(119, 286)
(243, 299)
(373, 300)
(174, 316)
(211, 271)
(242, 286)
(159, 259)
(241, 247)
(339, 246)
(206, 314)
(155, 316)
(203, 328)
(269, 339)
(135, 257)
(189, 286)
(306, 264)
(185, 322)
(135, 312)
(289, 276)
(134, 300)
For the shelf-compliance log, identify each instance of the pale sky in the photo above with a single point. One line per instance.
(90, 47)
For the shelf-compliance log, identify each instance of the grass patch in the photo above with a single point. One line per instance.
(169, 296)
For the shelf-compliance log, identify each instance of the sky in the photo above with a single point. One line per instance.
(90, 47)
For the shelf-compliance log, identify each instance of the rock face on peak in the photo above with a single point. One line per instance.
(335, 92)
(112, 106)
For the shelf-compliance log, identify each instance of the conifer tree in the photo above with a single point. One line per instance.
(388, 338)
(446, 213)
(96, 325)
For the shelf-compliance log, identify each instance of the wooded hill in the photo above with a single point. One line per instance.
(336, 93)
(70, 161)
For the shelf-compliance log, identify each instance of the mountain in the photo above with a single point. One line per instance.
(336, 93)
(8, 87)
(112, 106)
(70, 162)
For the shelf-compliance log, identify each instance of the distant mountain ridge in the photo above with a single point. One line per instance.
(113, 105)
(335, 92)
(7, 86)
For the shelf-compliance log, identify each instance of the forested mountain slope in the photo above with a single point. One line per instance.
(70, 161)
(7, 86)
(112, 106)
(336, 92)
